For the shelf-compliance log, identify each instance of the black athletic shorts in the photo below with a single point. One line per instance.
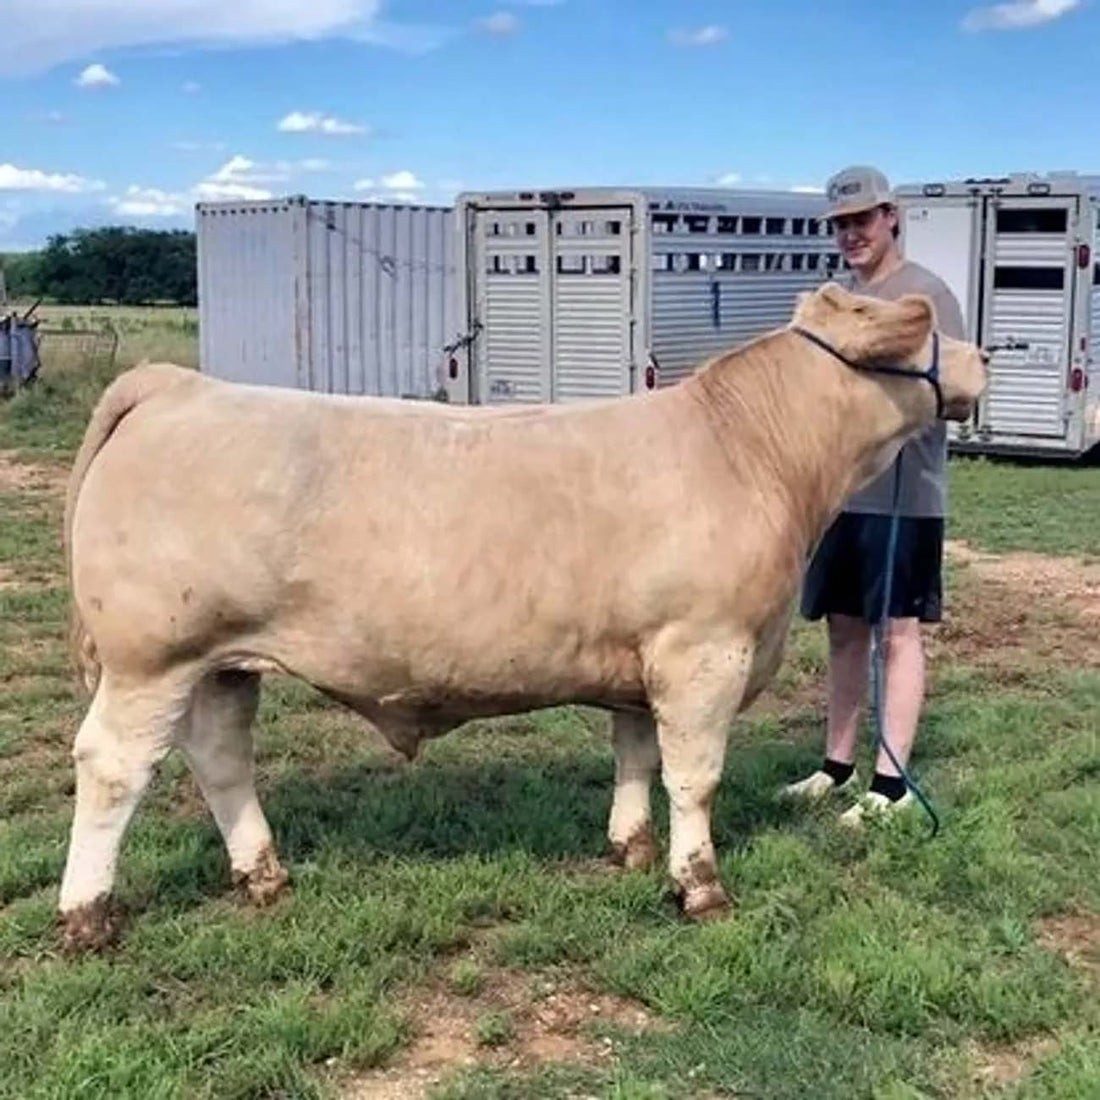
(847, 574)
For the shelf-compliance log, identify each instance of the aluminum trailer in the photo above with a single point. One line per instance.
(1020, 253)
(571, 295)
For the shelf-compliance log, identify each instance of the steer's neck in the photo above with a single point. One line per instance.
(797, 425)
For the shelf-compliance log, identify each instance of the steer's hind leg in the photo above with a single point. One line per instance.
(697, 691)
(128, 729)
(217, 740)
(634, 737)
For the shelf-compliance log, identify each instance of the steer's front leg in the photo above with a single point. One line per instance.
(697, 689)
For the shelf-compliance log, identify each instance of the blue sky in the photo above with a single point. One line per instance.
(130, 111)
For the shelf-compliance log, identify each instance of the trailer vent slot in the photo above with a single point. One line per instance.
(1036, 220)
(1029, 278)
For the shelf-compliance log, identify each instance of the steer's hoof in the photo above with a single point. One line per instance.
(265, 882)
(91, 927)
(705, 903)
(639, 853)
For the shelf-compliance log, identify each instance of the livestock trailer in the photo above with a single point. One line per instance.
(337, 297)
(1020, 254)
(568, 295)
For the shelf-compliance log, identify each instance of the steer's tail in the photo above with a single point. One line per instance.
(121, 397)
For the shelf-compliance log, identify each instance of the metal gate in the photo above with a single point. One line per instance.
(1028, 299)
(554, 304)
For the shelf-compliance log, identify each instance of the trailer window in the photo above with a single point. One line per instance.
(812, 227)
(665, 223)
(1034, 220)
(529, 265)
(499, 265)
(773, 261)
(1096, 275)
(570, 265)
(750, 261)
(797, 260)
(798, 227)
(1029, 278)
(727, 261)
(696, 261)
(727, 224)
(605, 265)
(751, 225)
(774, 226)
(697, 223)
(531, 229)
(662, 261)
(812, 261)
(614, 229)
(832, 261)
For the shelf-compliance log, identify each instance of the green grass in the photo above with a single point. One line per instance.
(885, 965)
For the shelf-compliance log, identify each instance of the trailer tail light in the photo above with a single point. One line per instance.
(1084, 255)
(452, 367)
(1077, 380)
(650, 377)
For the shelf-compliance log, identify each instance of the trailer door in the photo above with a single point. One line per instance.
(511, 276)
(592, 307)
(944, 235)
(1029, 293)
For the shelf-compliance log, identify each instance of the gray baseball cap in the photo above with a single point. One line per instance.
(857, 188)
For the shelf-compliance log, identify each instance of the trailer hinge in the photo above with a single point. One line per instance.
(463, 341)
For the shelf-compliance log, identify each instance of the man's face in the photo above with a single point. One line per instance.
(866, 237)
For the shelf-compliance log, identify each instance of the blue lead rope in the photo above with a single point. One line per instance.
(878, 663)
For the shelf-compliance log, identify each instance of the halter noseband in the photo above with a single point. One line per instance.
(931, 375)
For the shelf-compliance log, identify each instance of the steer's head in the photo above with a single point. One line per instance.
(871, 332)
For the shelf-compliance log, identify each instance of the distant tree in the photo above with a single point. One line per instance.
(119, 264)
(21, 273)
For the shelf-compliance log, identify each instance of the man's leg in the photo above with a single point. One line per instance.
(904, 691)
(849, 652)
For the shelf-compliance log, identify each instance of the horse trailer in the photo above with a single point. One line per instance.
(336, 297)
(1021, 255)
(596, 292)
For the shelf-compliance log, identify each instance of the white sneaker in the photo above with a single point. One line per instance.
(815, 787)
(873, 804)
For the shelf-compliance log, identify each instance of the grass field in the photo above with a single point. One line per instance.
(454, 932)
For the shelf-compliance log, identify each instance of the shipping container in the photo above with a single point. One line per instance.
(336, 297)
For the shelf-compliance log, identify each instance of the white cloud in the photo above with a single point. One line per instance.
(96, 76)
(1018, 14)
(221, 191)
(34, 179)
(313, 122)
(363, 185)
(808, 189)
(235, 179)
(710, 35)
(191, 87)
(149, 202)
(402, 181)
(39, 34)
(315, 164)
(728, 179)
(500, 23)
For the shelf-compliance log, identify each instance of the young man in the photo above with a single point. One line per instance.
(845, 579)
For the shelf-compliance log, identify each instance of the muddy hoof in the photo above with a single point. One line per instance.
(639, 853)
(265, 882)
(705, 903)
(92, 927)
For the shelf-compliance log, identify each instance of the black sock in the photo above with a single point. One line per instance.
(840, 773)
(893, 786)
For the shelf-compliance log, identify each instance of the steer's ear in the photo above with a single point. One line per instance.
(889, 332)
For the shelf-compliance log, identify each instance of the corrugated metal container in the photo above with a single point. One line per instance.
(595, 292)
(337, 297)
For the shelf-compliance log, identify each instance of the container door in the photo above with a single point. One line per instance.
(511, 276)
(592, 305)
(944, 235)
(1028, 298)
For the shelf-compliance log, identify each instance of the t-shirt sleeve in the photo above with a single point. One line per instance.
(949, 318)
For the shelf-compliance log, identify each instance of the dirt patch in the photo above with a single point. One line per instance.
(1076, 938)
(1058, 580)
(523, 1021)
(7, 579)
(1002, 1066)
(18, 476)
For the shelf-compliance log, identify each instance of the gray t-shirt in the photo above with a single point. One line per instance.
(924, 458)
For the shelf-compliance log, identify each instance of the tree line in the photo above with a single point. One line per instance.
(122, 265)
